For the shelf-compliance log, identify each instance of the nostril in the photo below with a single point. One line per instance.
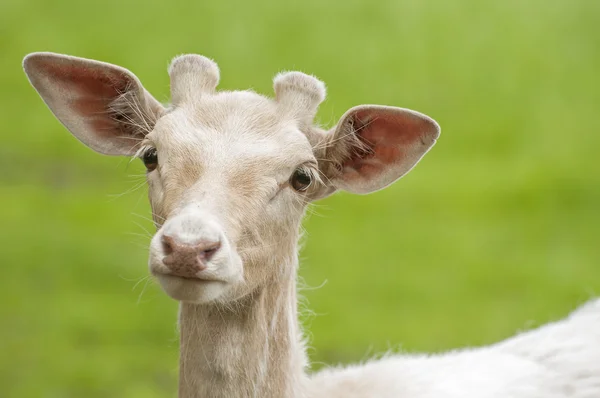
(168, 244)
(185, 259)
(207, 250)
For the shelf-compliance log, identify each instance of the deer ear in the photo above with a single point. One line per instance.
(372, 146)
(103, 105)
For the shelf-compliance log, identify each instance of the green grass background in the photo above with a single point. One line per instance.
(495, 231)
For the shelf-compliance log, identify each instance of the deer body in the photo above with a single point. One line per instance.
(230, 175)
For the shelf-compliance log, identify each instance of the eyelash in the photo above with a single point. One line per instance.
(149, 156)
(143, 149)
(305, 170)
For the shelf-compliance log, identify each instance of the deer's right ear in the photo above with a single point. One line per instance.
(103, 105)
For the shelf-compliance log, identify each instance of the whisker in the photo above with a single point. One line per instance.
(142, 279)
(325, 177)
(130, 190)
(138, 234)
(144, 229)
(124, 137)
(148, 279)
(146, 218)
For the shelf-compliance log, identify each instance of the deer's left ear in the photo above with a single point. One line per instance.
(372, 146)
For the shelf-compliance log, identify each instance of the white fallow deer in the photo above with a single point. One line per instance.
(230, 174)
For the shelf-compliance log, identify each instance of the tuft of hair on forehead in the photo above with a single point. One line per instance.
(298, 95)
(192, 75)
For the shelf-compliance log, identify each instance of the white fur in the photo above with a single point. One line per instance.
(225, 171)
(558, 360)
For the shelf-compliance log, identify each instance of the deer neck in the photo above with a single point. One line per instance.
(251, 348)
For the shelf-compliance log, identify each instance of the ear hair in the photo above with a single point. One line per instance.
(298, 94)
(191, 75)
(104, 106)
(345, 142)
(372, 146)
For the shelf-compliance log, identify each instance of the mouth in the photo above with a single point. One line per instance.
(160, 273)
(198, 278)
(190, 289)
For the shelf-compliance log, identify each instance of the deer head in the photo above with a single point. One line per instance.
(229, 173)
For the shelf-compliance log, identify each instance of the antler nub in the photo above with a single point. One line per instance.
(299, 94)
(191, 75)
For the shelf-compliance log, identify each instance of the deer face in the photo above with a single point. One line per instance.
(229, 173)
(229, 178)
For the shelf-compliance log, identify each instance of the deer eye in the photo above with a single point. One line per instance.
(150, 159)
(301, 179)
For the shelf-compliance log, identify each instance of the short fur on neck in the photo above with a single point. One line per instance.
(249, 348)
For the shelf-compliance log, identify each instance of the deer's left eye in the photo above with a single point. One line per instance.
(301, 179)
(150, 159)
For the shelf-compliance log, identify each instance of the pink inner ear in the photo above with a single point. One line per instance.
(92, 90)
(394, 140)
(387, 137)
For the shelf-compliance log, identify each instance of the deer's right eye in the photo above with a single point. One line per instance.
(150, 159)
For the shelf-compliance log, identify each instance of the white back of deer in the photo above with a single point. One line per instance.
(230, 175)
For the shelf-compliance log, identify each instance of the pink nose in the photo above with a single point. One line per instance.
(185, 259)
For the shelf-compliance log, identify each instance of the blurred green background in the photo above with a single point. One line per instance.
(497, 229)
